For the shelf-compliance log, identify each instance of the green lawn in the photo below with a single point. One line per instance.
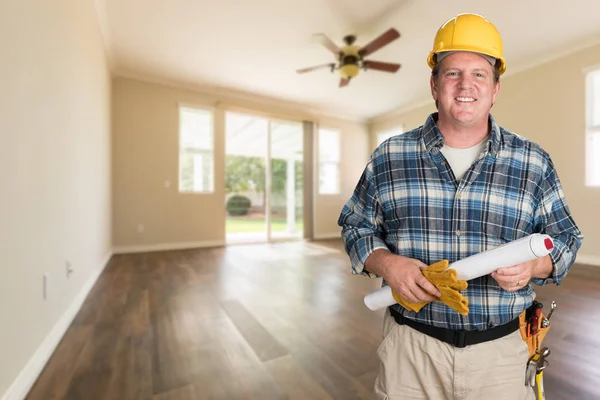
(239, 225)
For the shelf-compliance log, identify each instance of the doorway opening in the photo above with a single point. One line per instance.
(263, 179)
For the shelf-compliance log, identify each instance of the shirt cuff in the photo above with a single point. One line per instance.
(553, 278)
(361, 250)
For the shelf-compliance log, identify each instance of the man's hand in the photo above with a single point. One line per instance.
(518, 276)
(445, 280)
(404, 276)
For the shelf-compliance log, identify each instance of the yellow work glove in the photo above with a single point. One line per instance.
(449, 287)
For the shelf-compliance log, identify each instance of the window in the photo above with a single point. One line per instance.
(329, 161)
(383, 136)
(196, 150)
(592, 164)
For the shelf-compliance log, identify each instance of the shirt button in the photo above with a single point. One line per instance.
(458, 232)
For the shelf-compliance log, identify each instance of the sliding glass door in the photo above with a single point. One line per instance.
(263, 179)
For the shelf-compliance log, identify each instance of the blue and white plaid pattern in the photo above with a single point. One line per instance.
(408, 201)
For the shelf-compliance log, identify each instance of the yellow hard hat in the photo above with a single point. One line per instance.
(468, 32)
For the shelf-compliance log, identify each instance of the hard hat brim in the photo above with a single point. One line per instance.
(500, 63)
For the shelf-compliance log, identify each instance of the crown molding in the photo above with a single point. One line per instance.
(226, 95)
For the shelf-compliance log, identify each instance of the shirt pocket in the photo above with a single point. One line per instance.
(507, 220)
(504, 216)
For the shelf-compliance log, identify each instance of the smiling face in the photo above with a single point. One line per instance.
(464, 89)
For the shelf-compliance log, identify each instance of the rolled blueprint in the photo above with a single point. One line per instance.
(512, 253)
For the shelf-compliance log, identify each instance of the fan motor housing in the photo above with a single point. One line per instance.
(349, 60)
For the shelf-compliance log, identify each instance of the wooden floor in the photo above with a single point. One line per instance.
(277, 321)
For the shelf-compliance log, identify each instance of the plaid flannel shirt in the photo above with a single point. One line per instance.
(408, 201)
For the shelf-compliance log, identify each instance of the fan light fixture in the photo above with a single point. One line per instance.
(350, 58)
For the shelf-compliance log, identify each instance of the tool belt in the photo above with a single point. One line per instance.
(458, 338)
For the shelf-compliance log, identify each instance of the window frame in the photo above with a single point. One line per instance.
(196, 151)
(336, 163)
(592, 131)
(388, 133)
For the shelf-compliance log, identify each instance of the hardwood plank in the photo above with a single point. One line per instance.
(322, 368)
(368, 380)
(247, 384)
(295, 381)
(169, 363)
(55, 379)
(131, 371)
(185, 393)
(262, 342)
(224, 350)
(94, 365)
(137, 314)
(352, 354)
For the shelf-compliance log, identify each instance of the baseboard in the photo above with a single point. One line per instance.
(322, 236)
(166, 246)
(28, 375)
(588, 259)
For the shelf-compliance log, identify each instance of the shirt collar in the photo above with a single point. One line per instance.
(434, 141)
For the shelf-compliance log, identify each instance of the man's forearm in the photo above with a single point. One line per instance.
(543, 267)
(378, 262)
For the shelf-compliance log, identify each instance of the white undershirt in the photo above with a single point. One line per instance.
(460, 160)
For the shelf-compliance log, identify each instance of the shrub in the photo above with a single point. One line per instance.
(238, 205)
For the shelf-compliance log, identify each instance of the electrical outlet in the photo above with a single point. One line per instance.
(68, 269)
(46, 286)
(140, 228)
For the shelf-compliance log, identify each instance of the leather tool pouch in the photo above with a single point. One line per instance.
(534, 342)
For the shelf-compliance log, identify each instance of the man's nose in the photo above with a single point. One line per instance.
(465, 81)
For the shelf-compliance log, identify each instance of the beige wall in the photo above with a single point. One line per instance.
(546, 104)
(54, 170)
(145, 151)
(145, 156)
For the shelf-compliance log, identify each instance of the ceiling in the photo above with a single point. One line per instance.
(252, 48)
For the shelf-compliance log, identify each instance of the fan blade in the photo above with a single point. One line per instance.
(344, 82)
(379, 42)
(303, 70)
(381, 66)
(328, 43)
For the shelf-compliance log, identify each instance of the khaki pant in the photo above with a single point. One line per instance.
(417, 366)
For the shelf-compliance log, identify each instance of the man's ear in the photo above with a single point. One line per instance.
(433, 86)
(496, 92)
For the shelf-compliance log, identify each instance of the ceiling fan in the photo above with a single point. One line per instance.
(350, 58)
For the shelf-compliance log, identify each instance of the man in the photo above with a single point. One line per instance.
(456, 186)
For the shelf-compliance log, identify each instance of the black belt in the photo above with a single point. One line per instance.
(458, 338)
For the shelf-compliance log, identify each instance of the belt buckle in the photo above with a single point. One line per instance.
(460, 339)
